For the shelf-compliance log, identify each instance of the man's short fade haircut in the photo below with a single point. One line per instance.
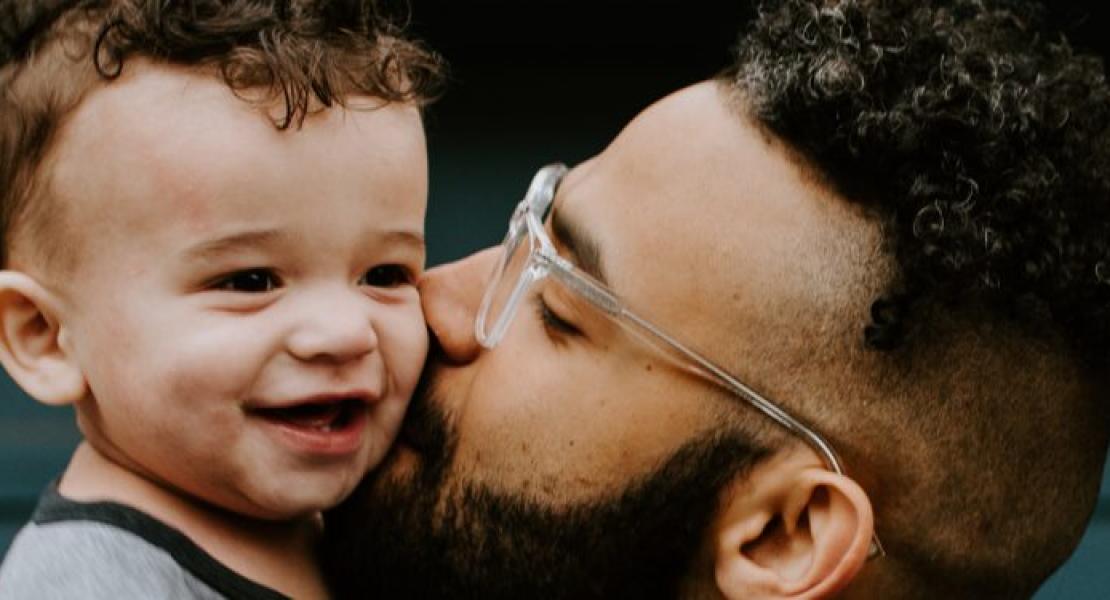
(982, 144)
(299, 53)
(978, 139)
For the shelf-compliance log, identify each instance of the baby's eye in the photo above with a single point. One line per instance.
(250, 281)
(386, 276)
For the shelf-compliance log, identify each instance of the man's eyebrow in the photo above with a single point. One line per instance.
(579, 244)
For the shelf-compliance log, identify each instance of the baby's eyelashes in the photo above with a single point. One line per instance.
(388, 276)
(250, 281)
(260, 280)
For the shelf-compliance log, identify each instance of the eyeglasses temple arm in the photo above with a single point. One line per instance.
(565, 272)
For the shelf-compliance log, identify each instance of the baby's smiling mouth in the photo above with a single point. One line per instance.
(322, 416)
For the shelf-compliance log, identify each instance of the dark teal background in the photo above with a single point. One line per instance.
(532, 82)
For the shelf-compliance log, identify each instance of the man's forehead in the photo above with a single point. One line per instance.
(667, 189)
(699, 218)
(576, 236)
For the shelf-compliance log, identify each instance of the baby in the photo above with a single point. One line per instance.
(212, 218)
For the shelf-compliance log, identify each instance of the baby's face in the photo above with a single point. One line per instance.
(244, 304)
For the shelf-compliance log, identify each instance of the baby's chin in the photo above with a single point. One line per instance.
(295, 498)
(291, 509)
(303, 488)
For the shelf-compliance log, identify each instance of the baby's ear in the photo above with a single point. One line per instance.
(33, 345)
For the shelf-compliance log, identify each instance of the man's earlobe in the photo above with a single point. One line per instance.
(33, 345)
(799, 533)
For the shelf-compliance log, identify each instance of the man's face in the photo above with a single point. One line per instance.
(571, 451)
(243, 302)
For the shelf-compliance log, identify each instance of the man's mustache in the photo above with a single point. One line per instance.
(426, 428)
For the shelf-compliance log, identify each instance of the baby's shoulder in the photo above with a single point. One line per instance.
(89, 559)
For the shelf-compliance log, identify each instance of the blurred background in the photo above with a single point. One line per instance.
(532, 82)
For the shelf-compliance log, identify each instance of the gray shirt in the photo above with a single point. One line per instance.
(105, 550)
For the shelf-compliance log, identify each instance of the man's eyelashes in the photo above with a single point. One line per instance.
(552, 321)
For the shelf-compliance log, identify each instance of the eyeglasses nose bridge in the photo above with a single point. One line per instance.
(526, 234)
(531, 273)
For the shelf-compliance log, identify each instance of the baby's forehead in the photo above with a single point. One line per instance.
(167, 150)
(153, 107)
(135, 143)
(186, 128)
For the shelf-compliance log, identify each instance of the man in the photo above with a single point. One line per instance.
(835, 323)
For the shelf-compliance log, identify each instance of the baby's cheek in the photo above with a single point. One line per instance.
(406, 346)
(206, 367)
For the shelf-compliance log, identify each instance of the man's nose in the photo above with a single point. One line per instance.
(451, 295)
(334, 326)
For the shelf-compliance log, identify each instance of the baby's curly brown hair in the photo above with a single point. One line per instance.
(300, 53)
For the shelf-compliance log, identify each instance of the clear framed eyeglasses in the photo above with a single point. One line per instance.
(528, 256)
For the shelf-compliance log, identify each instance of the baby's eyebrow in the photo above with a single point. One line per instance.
(214, 247)
(403, 237)
(225, 244)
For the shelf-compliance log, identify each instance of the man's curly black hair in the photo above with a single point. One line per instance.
(299, 53)
(976, 140)
(977, 135)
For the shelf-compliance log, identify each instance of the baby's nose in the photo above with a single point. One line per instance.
(334, 327)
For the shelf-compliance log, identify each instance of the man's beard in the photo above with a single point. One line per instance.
(426, 535)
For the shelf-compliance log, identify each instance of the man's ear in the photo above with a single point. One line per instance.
(793, 530)
(33, 341)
